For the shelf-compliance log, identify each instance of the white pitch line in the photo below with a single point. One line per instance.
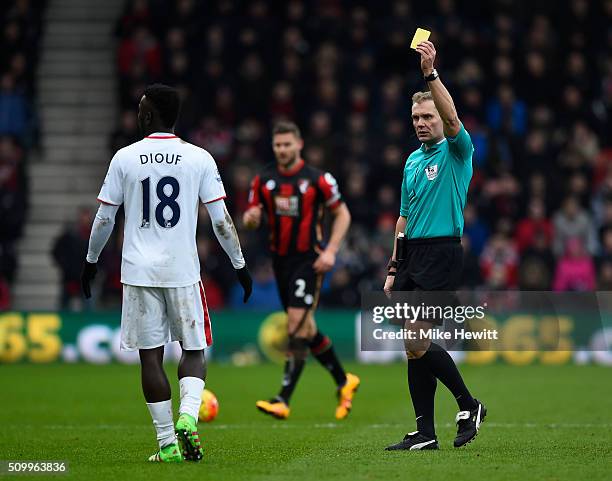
(513, 425)
(286, 425)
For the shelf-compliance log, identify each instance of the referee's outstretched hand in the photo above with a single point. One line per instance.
(87, 275)
(244, 277)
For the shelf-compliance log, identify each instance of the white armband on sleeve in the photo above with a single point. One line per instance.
(101, 230)
(226, 232)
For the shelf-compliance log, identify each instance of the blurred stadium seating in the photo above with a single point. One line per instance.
(21, 30)
(532, 82)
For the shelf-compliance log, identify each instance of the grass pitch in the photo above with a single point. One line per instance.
(544, 423)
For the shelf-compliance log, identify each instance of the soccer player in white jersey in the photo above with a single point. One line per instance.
(160, 181)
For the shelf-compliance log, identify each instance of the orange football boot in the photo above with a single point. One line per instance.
(274, 408)
(346, 394)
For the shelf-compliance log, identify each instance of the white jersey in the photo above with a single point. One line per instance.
(160, 181)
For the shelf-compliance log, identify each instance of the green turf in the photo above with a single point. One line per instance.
(544, 423)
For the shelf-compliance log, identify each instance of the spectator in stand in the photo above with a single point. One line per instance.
(534, 225)
(475, 229)
(341, 291)
(604, 261)
(14, 115)
(537, 264)
(5, 293)
(575, 270)
(506, 113)
(606, 224)
(499, 263)
(572, 221)
(140, 48)
(602, 201)
(127, 133)
(472, 276)
(355, 196)
(137, 12)
(20, 27)
(604, 280)
(210, 135)
(68, 251)
(13, 206)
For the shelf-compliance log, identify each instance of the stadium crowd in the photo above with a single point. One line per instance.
(532, 82)
(20, 32)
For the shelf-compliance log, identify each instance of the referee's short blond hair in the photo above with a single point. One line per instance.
(420, 97)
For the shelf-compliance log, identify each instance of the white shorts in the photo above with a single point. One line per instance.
(154, 316)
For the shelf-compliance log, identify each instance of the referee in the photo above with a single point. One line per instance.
(434, 190)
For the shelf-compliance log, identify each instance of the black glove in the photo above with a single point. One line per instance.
(244, 277)
(87, 275)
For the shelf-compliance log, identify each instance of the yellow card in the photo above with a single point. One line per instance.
(419, 36)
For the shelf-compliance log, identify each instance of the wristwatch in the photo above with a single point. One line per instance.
(432, 76)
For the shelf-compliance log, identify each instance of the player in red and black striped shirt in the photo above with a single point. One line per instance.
(292, 196)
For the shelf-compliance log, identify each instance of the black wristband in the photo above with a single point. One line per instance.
(432, 76)
(391, 273)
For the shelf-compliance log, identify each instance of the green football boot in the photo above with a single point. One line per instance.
(189, 438)
(168, 454)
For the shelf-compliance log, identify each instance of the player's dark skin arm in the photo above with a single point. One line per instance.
(441, 96)
(339, 228)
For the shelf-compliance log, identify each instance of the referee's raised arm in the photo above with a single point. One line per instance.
(441, 97)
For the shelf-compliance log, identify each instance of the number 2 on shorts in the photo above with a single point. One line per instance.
(300, 287)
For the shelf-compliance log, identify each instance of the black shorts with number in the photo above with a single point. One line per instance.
(298, 283)
(433, 264)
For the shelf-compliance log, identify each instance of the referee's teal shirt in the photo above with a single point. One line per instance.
(435, 185)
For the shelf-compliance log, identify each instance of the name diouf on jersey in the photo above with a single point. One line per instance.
(159, 158)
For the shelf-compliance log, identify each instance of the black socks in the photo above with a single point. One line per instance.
(293, 371)
(422, 384)
(442, 366)
(322, 349)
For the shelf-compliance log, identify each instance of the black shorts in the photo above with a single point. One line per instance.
(298, 283)
(433, 264)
